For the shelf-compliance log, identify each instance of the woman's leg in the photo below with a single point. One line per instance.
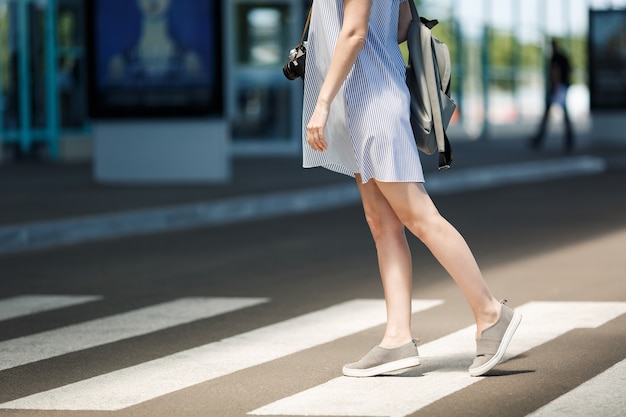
(394, 260)
(414, 208)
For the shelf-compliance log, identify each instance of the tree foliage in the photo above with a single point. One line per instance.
(507, 55)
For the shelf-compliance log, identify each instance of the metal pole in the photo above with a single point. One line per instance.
(516, 58)
(485, 69)
(52, 102)
(543, 30)
(459, 66)
(8, 46)
(458, 39)
(546, 18)
(24, 75)
(565, 20)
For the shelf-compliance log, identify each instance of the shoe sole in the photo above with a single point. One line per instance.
(504, 344)
(385, 368)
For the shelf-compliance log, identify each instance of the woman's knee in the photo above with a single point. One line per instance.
(422, 224)
(414, 208)
(382, 225)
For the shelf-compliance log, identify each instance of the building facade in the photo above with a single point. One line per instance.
(45, 65)
(48, 56)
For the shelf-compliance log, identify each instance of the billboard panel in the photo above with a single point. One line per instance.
(155, 58)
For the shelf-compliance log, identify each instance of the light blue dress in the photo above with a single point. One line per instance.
(369, 130)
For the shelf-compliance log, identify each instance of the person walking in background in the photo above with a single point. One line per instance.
(356, 122)
(558, 83)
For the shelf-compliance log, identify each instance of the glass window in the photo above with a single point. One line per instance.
(261, 35)
(263, 111)
(263, 97)
(71, 65)
(9, 66)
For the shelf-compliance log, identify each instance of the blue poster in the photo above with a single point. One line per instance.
(155, 57)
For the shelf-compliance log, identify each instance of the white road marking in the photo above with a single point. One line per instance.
(136, 384)
(603, 395)
(27, 349)
(444, 366)
(28, 236)
(24, 305)
(515, 173)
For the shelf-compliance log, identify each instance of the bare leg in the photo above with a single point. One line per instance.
(394, 260)
(538, 139)
(569, 131)
(414, 208)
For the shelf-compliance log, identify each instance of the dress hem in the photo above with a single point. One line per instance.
(343, 170)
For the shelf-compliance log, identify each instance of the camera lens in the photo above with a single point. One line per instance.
(294, 69)
(289, 72)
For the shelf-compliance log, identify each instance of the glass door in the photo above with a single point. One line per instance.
(264, 107)
(28, 120)
(72, 69)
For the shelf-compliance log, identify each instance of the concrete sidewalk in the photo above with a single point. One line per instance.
(46, 205)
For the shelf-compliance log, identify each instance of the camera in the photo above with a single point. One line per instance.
(295, 67)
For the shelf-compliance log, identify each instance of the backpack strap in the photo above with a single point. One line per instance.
(434, 85)
(428, 23)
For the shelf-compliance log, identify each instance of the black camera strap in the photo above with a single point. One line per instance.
(306, 25)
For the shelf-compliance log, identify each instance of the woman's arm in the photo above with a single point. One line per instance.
(404, 20)
(349, 44)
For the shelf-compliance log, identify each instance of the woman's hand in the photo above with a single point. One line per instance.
(315, 128)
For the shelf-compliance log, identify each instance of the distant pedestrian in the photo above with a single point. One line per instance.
(356, 119)
(558, 83)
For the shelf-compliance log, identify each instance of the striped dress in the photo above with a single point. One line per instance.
(369, 130)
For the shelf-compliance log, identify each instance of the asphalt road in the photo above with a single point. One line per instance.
(284, 317)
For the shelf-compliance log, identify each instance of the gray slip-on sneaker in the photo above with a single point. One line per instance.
(493, 341)
(379, 361)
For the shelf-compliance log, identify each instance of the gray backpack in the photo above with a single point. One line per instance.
(428, 78)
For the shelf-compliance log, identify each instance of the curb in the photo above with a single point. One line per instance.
(40, 235)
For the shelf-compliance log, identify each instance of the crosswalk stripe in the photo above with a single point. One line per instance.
(515, 173)
(27, 349)
(444, 366)
(603, 395)
(136, 384)
(24, 305)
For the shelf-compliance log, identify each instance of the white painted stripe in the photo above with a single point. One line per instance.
(36, 235)
(444, 366)
(28, 236)
(27, 349)
(24, 305)
(603, 395)
(514, 173)
(134, 385)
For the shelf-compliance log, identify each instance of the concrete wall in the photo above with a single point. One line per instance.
(169, 151)
(609, 126)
